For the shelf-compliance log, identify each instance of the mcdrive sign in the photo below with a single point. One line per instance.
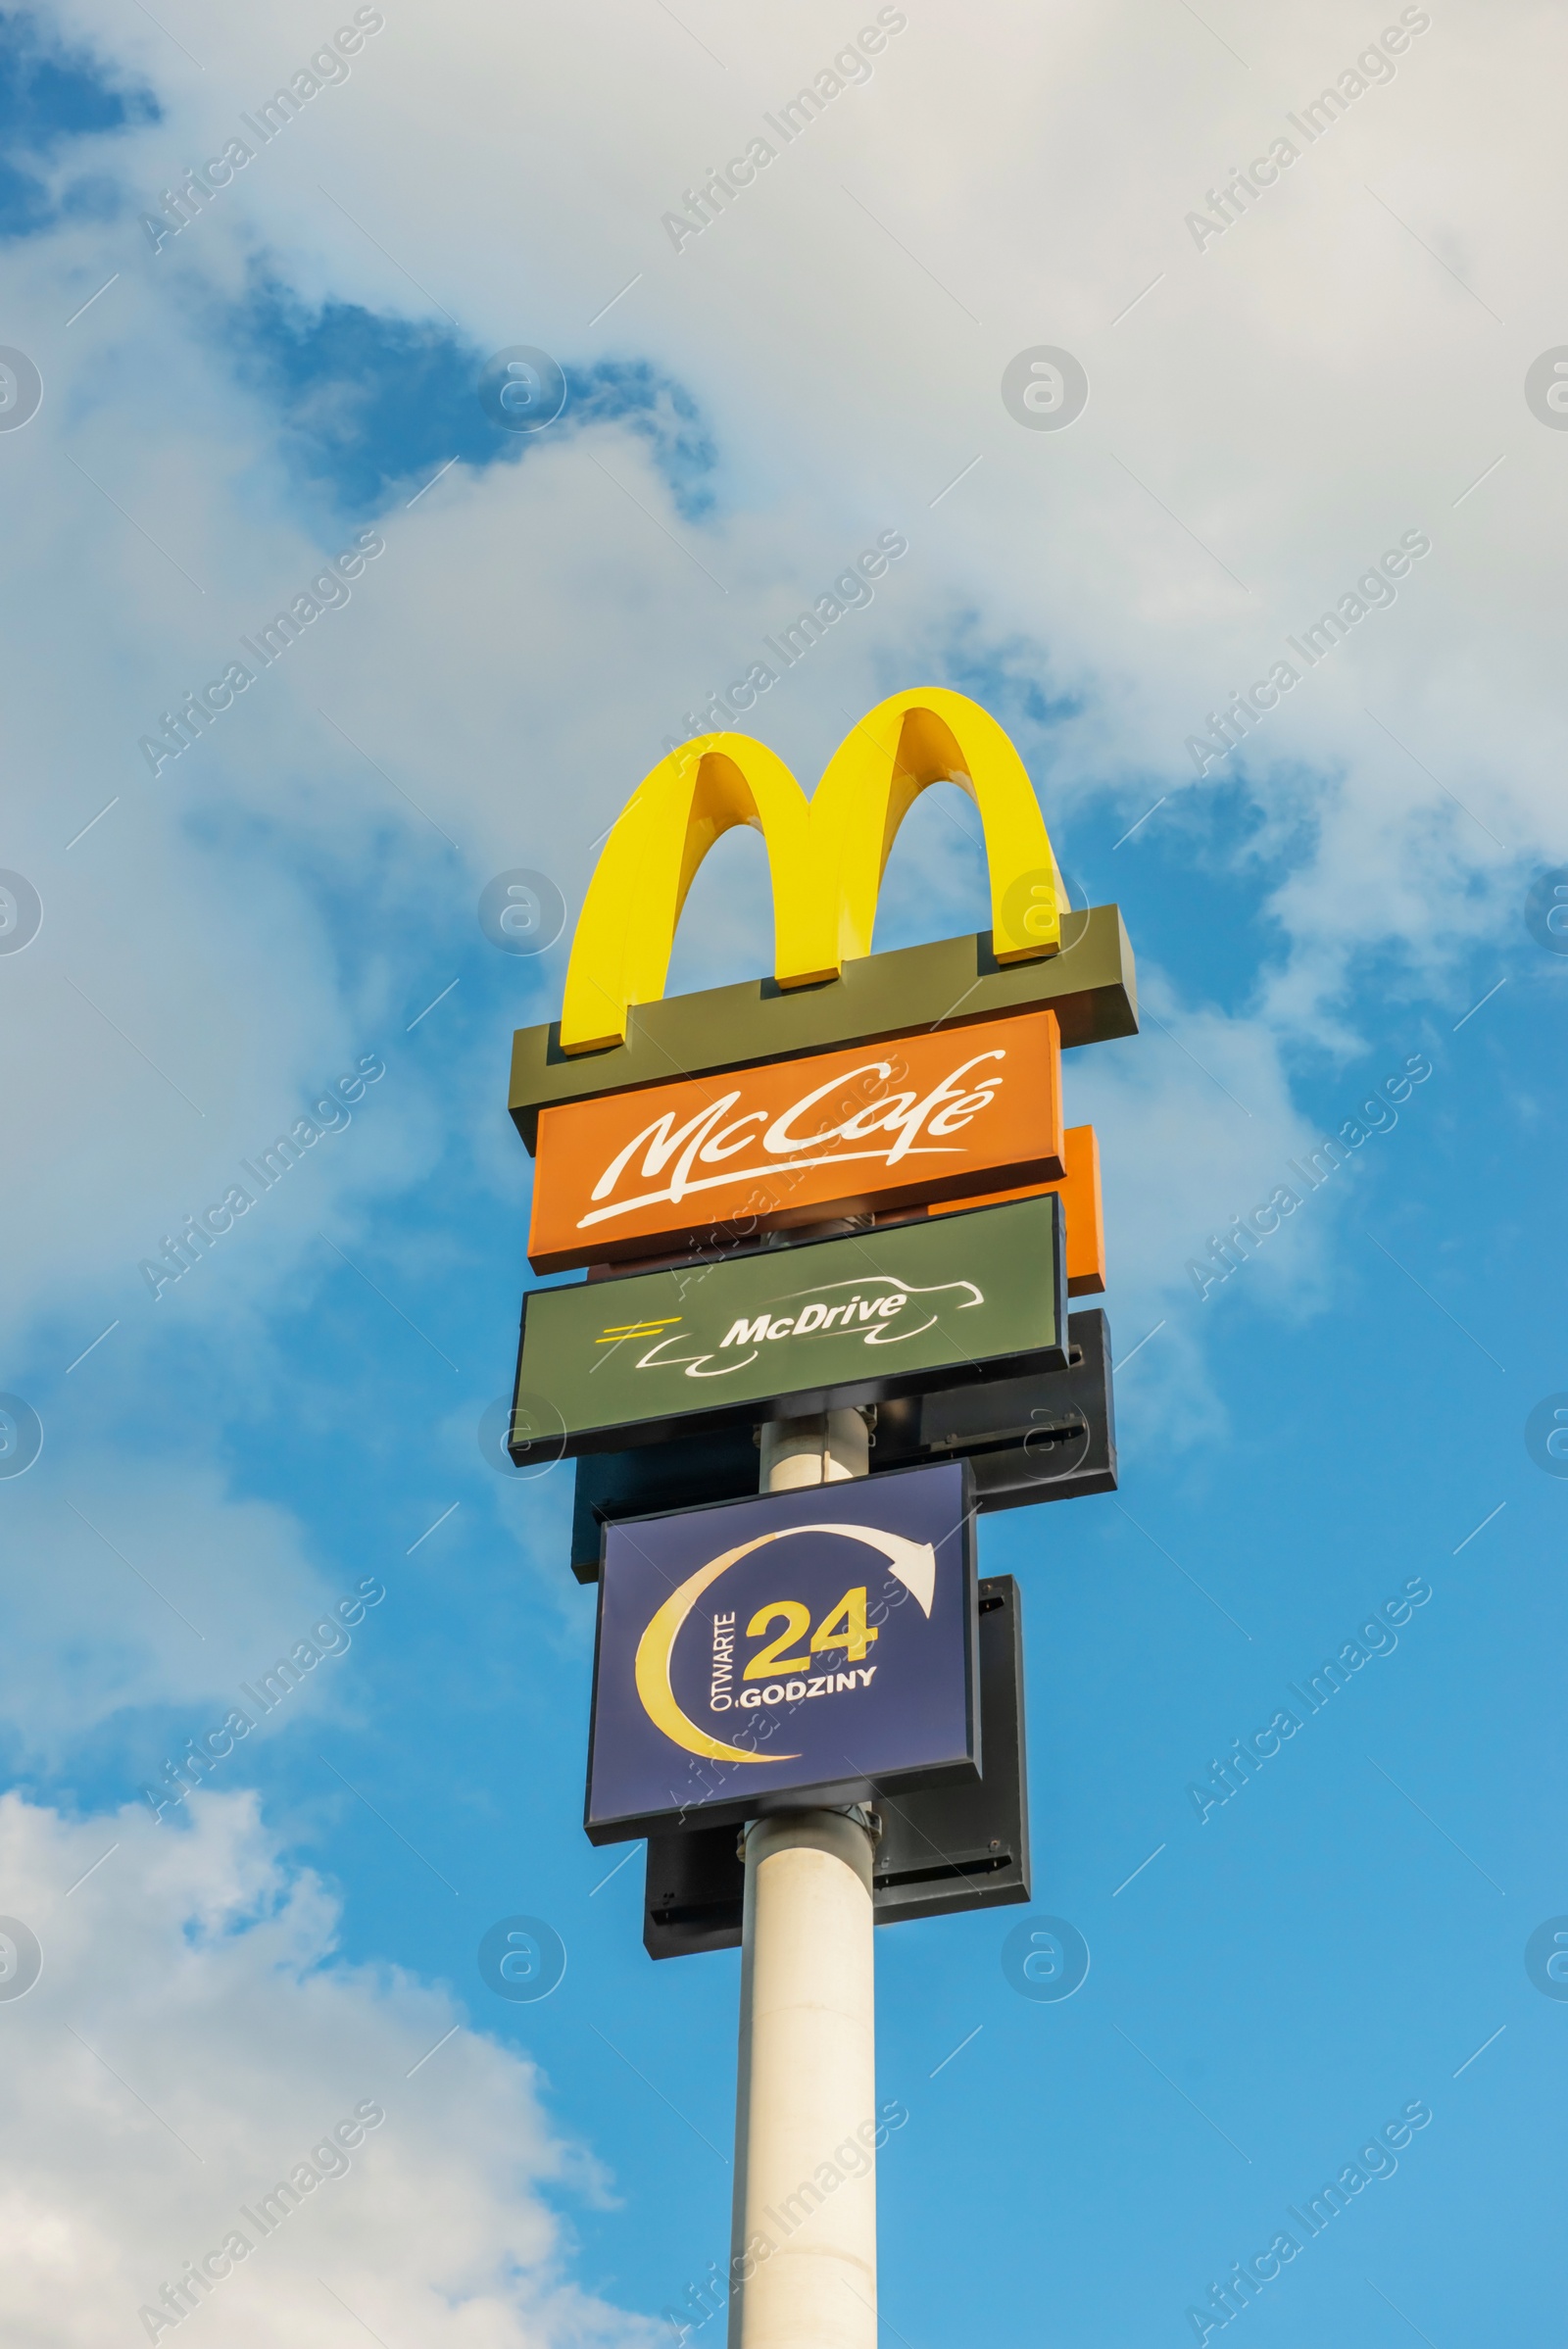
(825, 1324)
(819, 1643)
(800, 1141)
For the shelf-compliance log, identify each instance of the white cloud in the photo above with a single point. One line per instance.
(190, 2040)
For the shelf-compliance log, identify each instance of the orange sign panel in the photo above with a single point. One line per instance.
(1083, 1219)
(938, 1116)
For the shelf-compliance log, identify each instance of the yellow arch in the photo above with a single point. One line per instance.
(827, 857)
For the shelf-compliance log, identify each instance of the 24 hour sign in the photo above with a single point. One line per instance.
(820, 1641)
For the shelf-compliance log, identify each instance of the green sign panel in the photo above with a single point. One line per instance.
(1090, 986)
(786, 1331)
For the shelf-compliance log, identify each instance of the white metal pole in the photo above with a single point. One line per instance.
(803, 2268)
(821, 1450)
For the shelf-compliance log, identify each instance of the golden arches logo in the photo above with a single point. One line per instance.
(826, 856)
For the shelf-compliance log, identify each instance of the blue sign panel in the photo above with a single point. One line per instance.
(797, 1647)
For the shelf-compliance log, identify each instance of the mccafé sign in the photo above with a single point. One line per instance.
(923, 1084)
(798, 1142)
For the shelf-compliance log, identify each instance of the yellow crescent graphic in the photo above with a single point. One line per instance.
(913, 1562)
(656, 1651)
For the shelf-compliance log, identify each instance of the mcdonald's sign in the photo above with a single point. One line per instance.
(884, 1087)
(826, 858)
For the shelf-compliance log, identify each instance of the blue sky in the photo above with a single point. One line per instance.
(57, 95)
(295, 897)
